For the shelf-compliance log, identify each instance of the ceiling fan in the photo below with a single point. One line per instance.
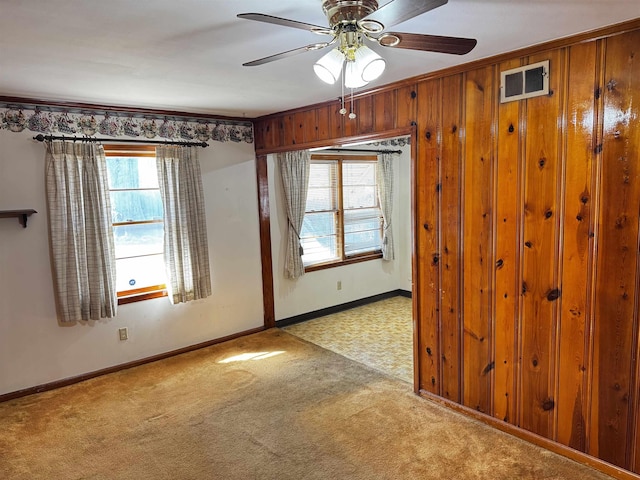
(353, 21)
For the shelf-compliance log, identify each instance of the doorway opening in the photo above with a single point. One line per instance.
(361, 310)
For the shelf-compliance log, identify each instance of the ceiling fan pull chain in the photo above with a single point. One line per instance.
(343, 110)
(352, 115)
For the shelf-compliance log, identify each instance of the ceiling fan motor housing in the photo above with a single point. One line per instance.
(347, 11)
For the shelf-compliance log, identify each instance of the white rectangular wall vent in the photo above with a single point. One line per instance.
(524, 82)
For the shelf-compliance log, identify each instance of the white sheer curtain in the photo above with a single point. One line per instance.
(186, 252)
(80, 233)
(294, 170)
(384, 177)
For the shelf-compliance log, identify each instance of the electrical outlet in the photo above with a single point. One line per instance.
(124, 333)
(339, 286)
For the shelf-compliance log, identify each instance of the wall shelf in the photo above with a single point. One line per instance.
(20, 214)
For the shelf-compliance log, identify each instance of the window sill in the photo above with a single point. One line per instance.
(340, 263)
(138, 296)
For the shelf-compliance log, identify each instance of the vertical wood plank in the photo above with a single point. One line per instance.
(272, 133)
(336, 122)
(540, 289)
(577, 252)
(298, 128)
(405, 106)
(264, 213)
(477, 224)
(288, 126)
(324, 130)
(508, 256)
(310, 125)
(384, 109)
(365, 115)
(259, 135)
(351, 124)
(616, 281)
(450, 268)
(415, 261)
(428, 257)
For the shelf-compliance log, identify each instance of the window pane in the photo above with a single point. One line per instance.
(362, 231)
(132, 240)
(136, 205)
(358, 173)
(319, 250)
(318, 238)
(318, 225)
(135, 197)
(139, 272)
(322, 193)
(320, 198)
(359, 184)
(362, 242)
(365, 219)
(359, 196)
(321, 174)
(132, 172)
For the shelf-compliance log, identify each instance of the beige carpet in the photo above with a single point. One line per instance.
(267, 406)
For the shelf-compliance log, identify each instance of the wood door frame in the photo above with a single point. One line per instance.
(264, 214)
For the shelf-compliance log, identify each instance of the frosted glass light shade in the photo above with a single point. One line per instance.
(353, 76)
(370, 64)
(329, 66)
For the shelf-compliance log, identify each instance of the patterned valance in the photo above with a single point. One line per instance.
(394, 142)
(17, 118)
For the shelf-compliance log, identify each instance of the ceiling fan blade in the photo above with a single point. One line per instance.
(259, 17)
(428, 43)
(397, 11)
(288, 53)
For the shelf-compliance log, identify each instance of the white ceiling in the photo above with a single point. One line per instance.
(187, 55)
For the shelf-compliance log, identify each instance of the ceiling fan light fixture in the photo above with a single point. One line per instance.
(353, 75)
(329, 66)
(370, 64)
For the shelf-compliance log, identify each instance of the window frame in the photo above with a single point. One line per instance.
(353, 258)
(152, 291)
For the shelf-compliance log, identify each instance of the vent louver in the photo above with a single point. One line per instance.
(524, 82)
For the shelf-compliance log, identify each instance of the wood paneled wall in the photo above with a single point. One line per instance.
(526, 235)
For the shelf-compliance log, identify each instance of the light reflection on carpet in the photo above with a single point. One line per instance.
(244, 357)
(379, 335)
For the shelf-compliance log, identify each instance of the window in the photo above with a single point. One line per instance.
(137, 218)
(342, 222)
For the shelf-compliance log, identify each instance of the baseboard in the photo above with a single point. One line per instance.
(116, 368)
(555, 447)
(285, 322)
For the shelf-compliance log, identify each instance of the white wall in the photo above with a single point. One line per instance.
(36, 349)
(317, 290)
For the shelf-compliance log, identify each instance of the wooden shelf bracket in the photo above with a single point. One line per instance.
(22, 215)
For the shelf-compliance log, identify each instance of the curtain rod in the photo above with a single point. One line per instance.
(354, 150)
(42, 138)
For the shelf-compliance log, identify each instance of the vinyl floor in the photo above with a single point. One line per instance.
(379, 335)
